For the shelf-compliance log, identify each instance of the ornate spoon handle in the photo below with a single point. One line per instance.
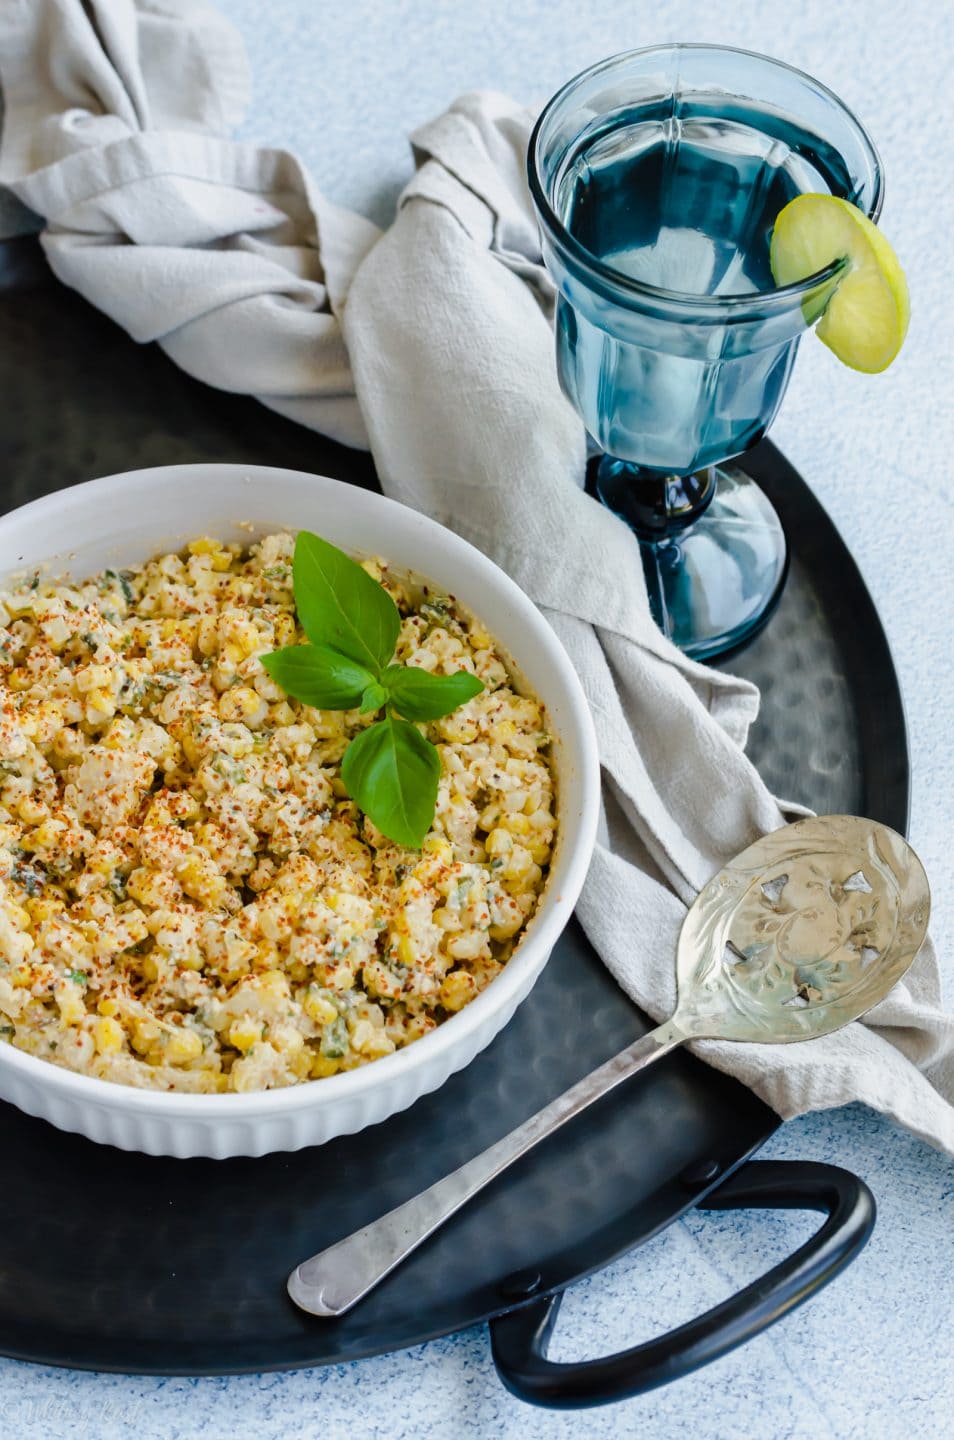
(335, 1279)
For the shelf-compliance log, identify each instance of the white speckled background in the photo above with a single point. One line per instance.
(873, 1354)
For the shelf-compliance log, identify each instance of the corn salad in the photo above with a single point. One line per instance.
(188, 899)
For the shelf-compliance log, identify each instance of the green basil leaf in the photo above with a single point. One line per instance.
(418, 695)
(319, 676)
(373, 698)
(391, 771)
(340, 605)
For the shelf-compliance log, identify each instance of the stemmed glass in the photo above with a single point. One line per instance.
(657, 177)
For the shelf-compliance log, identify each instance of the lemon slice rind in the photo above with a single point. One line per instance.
(866, 320)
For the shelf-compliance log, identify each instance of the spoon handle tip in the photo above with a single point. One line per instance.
(335, 1279)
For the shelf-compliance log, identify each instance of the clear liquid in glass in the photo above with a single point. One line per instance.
(685, 203)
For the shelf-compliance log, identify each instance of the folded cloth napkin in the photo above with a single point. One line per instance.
(432, 344)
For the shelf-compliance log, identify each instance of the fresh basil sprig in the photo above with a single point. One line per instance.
(390, 769)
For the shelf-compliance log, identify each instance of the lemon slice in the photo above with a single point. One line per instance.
(866, 320)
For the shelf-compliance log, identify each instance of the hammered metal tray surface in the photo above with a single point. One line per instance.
(124, 1262)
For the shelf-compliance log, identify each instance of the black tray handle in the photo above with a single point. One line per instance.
(519, 1339)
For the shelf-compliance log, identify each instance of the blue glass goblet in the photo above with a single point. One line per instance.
(657, 177)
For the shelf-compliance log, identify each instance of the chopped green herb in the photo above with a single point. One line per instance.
(334, 1040)
(29, 877)
(124, 584)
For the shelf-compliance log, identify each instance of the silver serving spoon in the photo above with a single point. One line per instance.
(803, 932)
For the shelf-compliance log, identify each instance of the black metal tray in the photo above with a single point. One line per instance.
(127, 1263)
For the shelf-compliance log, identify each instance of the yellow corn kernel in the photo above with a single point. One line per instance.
(540, 852)
(57, 632)
(31, 811)
(284, 629)
(221, 560)
(47, 835)
(92, 677)
(207, 637)
(48, 719)
(152, 888)
(243, 638)
(264, 954)
(276, 917)
(318, 1007)
(518, 863)
(458, 989)
(199, 878)
(236, 741)
(243, 704)
(438, 847)
(516, 824)
(286, 1039)
(183, 1046)
(108, 1006)
(203, 546)
(19, 605)
(69, 999)
(108, 1035)
(100, 706)
(499, 842)
(187, 807)
(65, 746)
(19, 679)
(206, 582)
(362, 1035)
(323, 1065)
(458, 728)
(149, 967)
(44, 907)
(300, 1063)
(145, 1035)
(244, 1033)
(405, 950)
(273, 984)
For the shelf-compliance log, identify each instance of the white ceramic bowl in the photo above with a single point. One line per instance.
(125, 519)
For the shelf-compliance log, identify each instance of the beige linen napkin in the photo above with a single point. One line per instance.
(433, 344)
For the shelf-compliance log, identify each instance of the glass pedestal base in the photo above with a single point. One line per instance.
(715, 572)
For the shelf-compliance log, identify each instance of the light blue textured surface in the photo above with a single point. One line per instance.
(872, 1355)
